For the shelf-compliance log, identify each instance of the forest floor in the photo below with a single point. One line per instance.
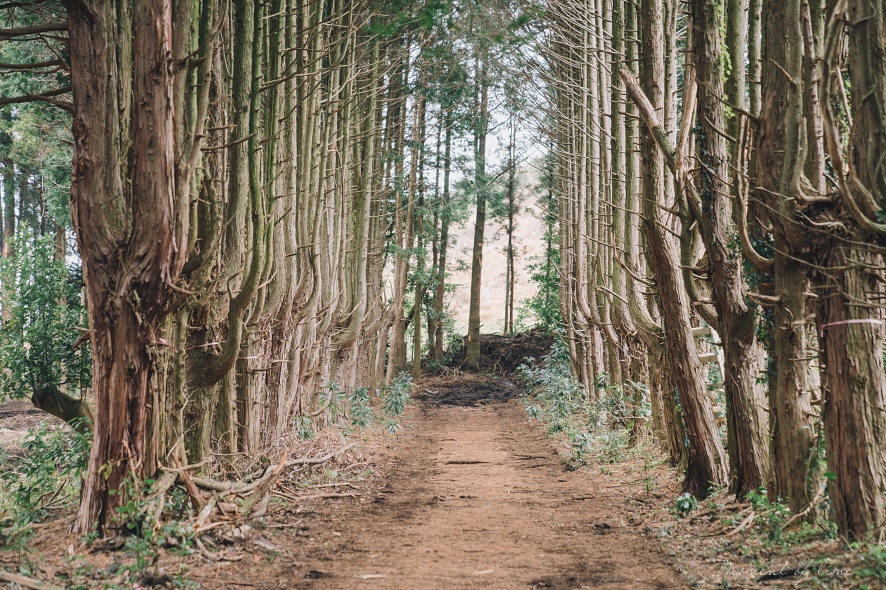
(474, 498)
(467, 494)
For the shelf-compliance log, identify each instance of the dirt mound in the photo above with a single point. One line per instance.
(468, 392)
(504, 354)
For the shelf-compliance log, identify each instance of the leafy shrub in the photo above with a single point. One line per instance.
(47, 475)
(40, 346)
(397, 395)
(394, 399)
(333, 398)
(595, 427)
(304, 429)
(558, 396)
(361, 411)
(685, 504)
(873, 560)
(772, 515)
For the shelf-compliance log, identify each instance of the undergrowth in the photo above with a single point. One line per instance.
(597, 425)
(46, 478)
(348, 411)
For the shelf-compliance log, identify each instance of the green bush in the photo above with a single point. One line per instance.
(596, 427)
(361, 411)
(46, 476)
(397, 395)
(685, 504)
(394, 399)
(40, 345)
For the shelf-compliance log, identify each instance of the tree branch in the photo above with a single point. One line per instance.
(32, 66)
(43, 97)
(660, 135)
(7, 34)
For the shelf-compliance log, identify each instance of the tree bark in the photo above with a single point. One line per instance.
(748, 452)
(480, 186)
(706, 463)
(778, 153)
(123, 207)
(855, 389)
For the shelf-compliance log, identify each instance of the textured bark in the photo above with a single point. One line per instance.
(61, 405)
(867, 71)
(777, 156)
(706, 463)
(791, 416)
(850, 310)
(854, 384)
(123, 207)
(746, 427)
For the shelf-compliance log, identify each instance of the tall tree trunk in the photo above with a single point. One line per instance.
(854, 385)
(124, 212)
(778, 153)
(8, 251)
(480, 186)
(445, 214)
(511, 213)
(850, 307)
(706, 463)
(746, 426)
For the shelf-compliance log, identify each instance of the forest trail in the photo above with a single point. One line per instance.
(476, 498)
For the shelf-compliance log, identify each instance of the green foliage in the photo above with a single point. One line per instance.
(771, 515)
(559, 398)
(360, 409)
(39, 148)
(684, 504)
(544, 270)
(37, 342)
(397, 395)
(145, 537)
(333, 398)
(873, 559)
(597, 427)
(48, 475)
(304, 429)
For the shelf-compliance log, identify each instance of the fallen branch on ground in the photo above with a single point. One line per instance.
(28, 582)
(232, 499)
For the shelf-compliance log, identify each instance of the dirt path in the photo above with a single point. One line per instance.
(476, 498)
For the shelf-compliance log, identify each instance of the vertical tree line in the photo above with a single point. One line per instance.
(261, 202)
(728, 249)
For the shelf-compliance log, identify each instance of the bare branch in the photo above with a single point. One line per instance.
(32, 66)
(43, 97)
(7, 34)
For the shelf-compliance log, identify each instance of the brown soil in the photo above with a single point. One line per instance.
(467, 495)
(474, 498)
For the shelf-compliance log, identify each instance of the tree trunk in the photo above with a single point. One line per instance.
(480, 185)
(748, 452)
(123, 207)
(778, 153)
(854, 386)
(706, 464)
(511, 212)
(445, 214)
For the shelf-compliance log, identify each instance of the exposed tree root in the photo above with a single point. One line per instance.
(229, 501)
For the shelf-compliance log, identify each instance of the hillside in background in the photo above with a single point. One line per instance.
(529, 244)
